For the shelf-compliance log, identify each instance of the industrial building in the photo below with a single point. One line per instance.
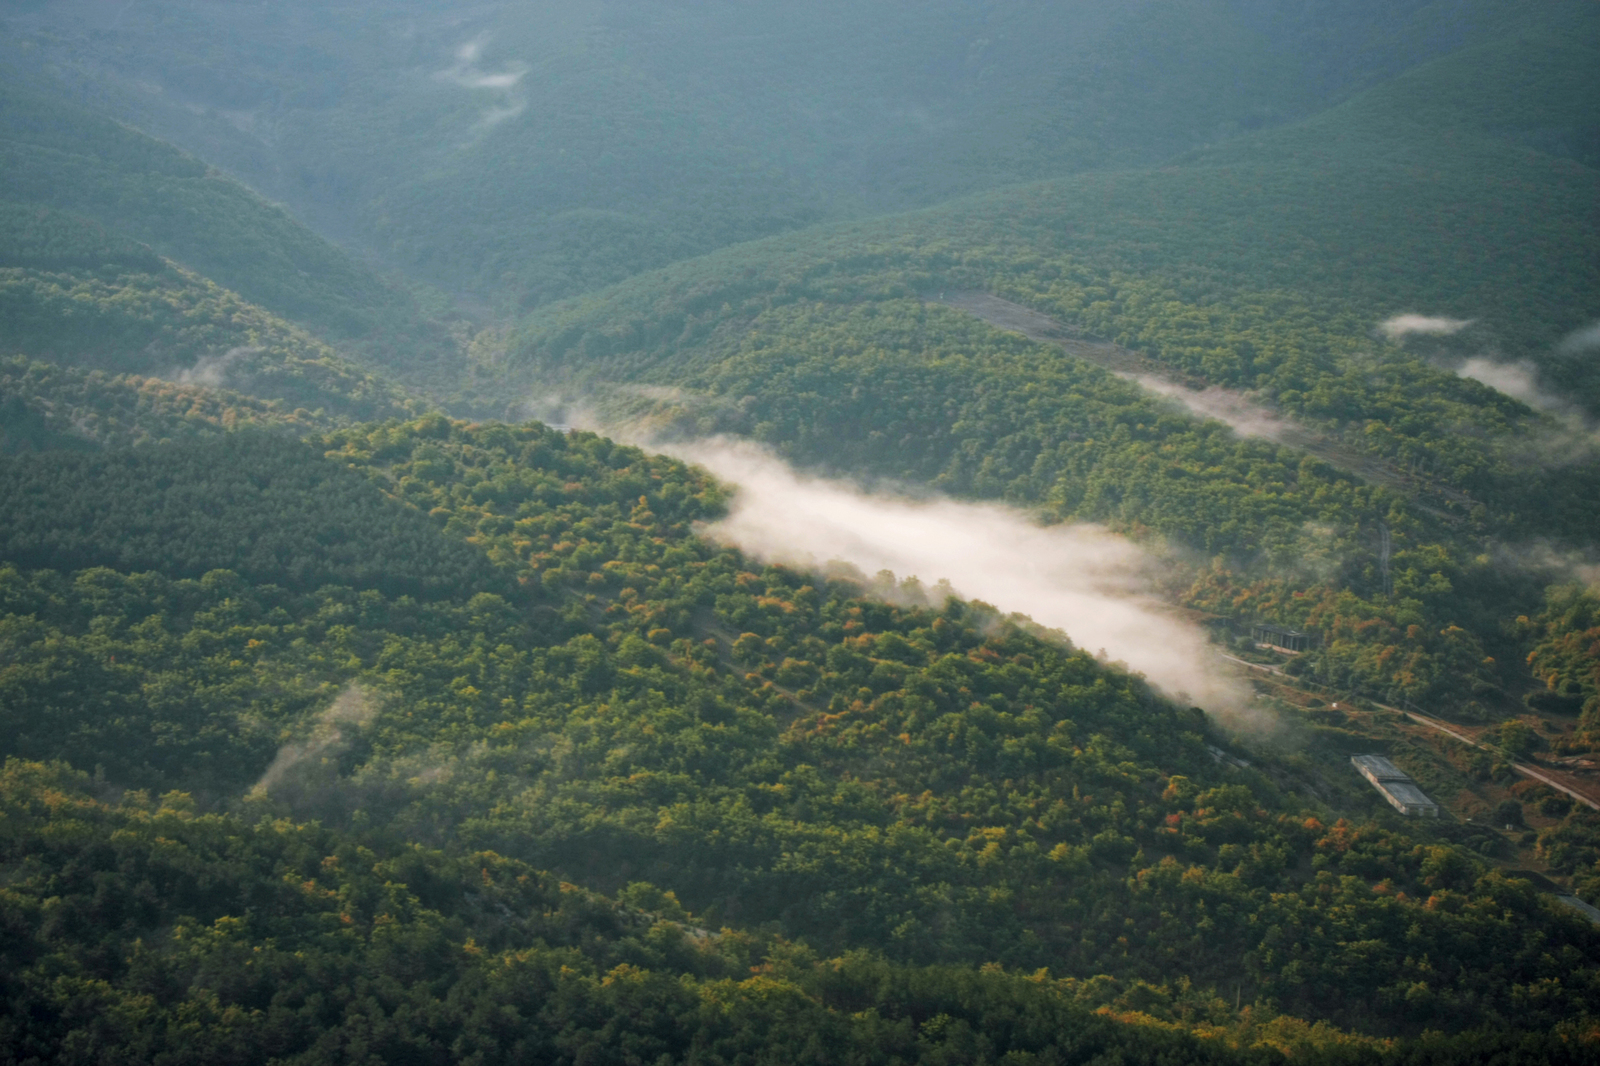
(1395, 785)
(1279, 637)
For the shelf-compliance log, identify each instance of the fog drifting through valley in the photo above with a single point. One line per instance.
(1572, 436)
(1088, 583)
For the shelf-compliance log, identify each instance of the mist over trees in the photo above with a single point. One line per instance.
(350, 713)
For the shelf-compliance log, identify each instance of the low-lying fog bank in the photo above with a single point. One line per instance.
(1088, 583)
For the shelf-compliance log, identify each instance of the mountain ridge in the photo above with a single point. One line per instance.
(340, 728)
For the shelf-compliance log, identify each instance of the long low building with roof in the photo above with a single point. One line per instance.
(1395, 785)
(1283, 638)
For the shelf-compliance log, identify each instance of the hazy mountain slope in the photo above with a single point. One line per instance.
(75, 295)
(59, 155)
(416, 690)
(46, 406)
(1404, 199)
(1266, 266)
(524, 150)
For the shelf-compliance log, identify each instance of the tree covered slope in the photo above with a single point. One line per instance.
(62, 156)
(50, 407)
(637, 710)
(525, 153)
(143, 928)
(1266, 266)
(338, 731)
(1409, 197)
(77, 295)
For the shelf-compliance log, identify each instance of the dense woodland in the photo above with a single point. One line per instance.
(76, 295)
(336, 731)
(70, 159)
(823, 347)
(644, 138)
(255, 506)
(49, 406)
(290, 943)
(1566, 656)
(640, 708)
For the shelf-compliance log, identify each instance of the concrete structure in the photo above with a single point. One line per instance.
(1280, 638)
(1395, 785)
(1582, 908)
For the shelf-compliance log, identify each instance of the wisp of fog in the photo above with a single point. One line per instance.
(1427, 325)
(1245, 418)
(469, 75)
(1571, 437)
(1079, 579)
(1582, 340)
(1520, 381)
(211, 371)
(330, 735)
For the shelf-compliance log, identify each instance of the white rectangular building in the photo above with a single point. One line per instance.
(1395, 785)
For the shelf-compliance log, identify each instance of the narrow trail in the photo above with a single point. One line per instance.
(1247, 417)
(1573, 786)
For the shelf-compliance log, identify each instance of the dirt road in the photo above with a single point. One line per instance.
(1578, 788)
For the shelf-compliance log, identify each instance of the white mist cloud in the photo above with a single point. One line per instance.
(1520, 381)
(501, 113)
(1586, 339)
(469, 75)
(1079, 579)
(1246, 418)
(1403, 325)
(211, 371)
(1570, 437)
(351, 710)
(1552, 561)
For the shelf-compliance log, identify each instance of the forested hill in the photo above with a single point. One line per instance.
(59, 155)
(638, 137)
(45, 406)
(83, 298)
(420, 956)
(801, 797)
(1268, 266)
(336, 730)
(123, 257)
(1386, 204)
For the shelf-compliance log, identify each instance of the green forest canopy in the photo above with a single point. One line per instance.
(1265, 265)
(397, 680)
(638, 140)
(80, 296)
(635, 705)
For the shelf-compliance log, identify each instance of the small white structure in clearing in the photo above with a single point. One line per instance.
(1395, 785)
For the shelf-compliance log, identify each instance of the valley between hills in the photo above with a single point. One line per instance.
(709, 533)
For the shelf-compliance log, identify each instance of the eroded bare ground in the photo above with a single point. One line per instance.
(1247, 417)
